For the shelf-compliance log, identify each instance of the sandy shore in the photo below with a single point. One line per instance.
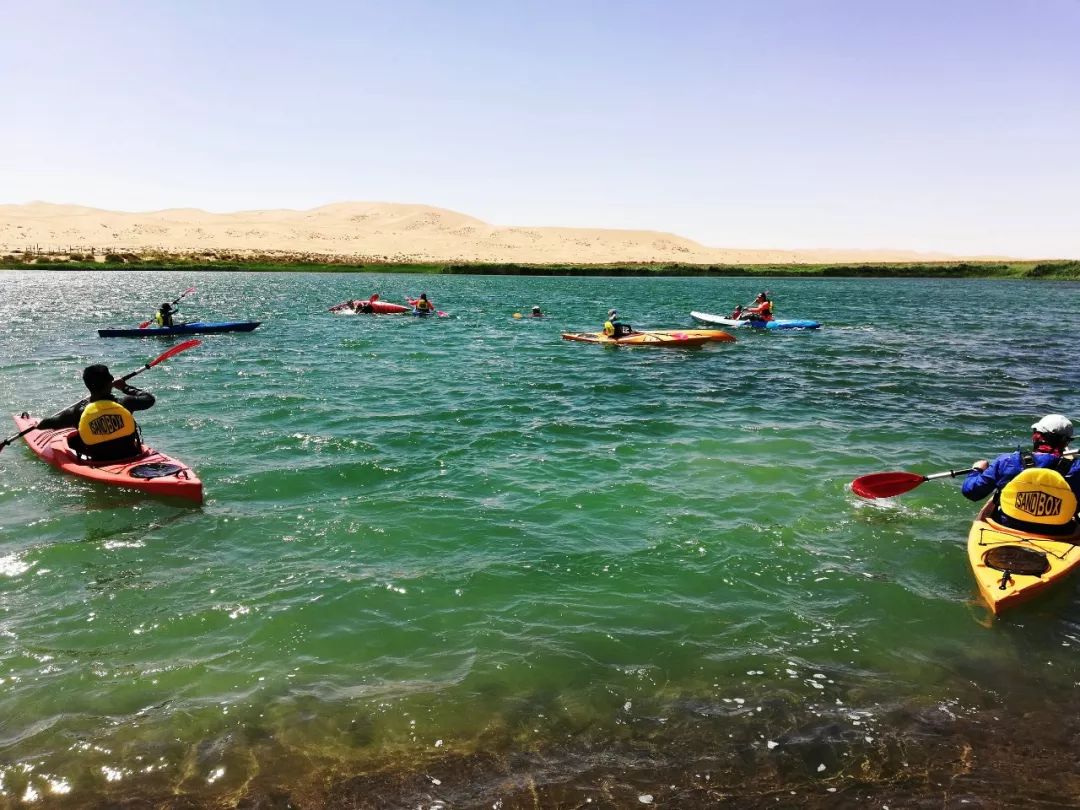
(375, 232)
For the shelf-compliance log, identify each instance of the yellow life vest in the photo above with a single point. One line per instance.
(609, 328)
(160, 321)
(105, 420)
(1038, 496)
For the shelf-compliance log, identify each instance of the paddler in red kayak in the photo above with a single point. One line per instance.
(364, 307)
(1036, 491)
(107, 430)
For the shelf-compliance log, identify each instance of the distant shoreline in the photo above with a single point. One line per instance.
(1058, 270)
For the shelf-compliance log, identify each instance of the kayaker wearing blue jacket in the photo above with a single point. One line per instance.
(1037, 491)
(107, 430)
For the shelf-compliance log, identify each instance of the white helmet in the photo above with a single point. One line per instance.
(1054, 424)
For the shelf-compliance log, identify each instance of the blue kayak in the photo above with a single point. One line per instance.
(776, 323)
(193, 328)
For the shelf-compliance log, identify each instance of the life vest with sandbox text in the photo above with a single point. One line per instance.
(105, 420)
(1040, 500)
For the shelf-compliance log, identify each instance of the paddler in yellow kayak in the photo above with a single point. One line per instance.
(1037, 491)
(107, 430)
(614, 328)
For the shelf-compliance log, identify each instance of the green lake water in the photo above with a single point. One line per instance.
(461, 562)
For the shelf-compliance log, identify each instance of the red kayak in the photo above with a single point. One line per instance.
(377, 307)
(150, 471)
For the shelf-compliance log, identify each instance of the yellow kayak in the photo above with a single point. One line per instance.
(671, 338)
(1012, 566)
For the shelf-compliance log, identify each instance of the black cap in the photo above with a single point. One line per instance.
(97, 378)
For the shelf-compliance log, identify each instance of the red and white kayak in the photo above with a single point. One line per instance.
(377, 308)
(150, 471)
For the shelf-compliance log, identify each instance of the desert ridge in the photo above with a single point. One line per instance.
(376, 232)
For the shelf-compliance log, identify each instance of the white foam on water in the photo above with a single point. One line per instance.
(12, 566)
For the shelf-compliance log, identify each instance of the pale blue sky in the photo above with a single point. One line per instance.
(951, 125)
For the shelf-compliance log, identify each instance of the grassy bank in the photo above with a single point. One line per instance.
(1059, 270)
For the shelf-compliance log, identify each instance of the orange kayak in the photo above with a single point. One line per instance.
(150, 471)
(669, 338)
(717, 335)
(1012, 566)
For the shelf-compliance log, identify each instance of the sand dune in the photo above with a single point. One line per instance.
(374, 231)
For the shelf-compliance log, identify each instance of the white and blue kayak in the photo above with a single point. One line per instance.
(775, 323)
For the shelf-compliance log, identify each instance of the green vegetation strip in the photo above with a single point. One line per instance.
(1058, 270)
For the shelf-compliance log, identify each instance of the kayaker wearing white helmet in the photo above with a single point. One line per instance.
(614, 328)
(1036, 491)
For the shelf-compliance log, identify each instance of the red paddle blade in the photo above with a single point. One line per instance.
(144, 324)
(175, 350)
(886, 484)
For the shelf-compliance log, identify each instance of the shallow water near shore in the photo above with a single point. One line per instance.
(461, 562)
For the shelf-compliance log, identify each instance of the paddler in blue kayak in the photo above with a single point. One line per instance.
(421, 306)
(1037, 491)
(106, 428)
(164, 316)
(760, 310)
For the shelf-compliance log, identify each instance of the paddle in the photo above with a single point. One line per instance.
(161, 358)
(888, 484)
(179, 298)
